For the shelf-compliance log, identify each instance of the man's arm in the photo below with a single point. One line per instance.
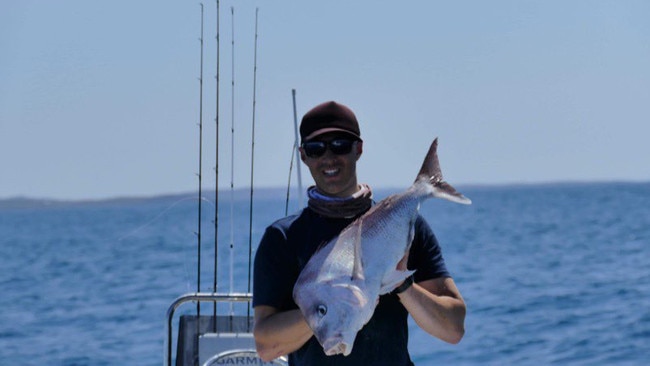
(279, 333)
(437, 307)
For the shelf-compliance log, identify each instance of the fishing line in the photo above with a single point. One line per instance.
(151, 221)
(187, 259)
(186, 269)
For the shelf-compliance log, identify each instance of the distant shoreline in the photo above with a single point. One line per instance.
(264, 193)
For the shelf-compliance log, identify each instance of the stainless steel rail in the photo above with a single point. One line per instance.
(198, 297)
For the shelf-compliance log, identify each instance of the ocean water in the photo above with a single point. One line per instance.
(552, 274)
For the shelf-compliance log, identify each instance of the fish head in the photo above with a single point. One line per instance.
(335, 312)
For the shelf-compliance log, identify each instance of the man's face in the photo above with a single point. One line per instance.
(334, 174)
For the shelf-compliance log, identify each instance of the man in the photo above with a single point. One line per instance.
(331, 146)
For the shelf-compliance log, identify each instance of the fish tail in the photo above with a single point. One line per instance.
(430, 178)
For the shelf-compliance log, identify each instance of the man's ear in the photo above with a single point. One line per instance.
(359, 150)
(302, 154)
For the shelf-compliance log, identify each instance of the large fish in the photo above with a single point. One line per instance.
(339, 287)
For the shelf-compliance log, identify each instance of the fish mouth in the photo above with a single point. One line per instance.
(337, 346)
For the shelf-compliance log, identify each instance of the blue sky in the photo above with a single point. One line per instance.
(101, 99)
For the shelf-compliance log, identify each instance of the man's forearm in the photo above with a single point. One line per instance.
(442, 316)
(280, 333)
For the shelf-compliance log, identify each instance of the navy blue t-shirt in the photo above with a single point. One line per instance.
(284, 251)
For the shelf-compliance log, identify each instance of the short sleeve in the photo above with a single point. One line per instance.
(275, 271)
(425, 256)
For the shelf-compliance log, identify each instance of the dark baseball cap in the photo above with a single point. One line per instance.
(329, 117)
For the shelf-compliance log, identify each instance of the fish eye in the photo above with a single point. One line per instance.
(322, 310)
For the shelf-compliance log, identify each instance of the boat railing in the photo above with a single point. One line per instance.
(224, 326)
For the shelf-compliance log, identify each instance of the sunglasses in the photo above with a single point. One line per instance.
(316, 149)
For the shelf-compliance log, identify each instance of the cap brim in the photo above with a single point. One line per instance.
(329, 129)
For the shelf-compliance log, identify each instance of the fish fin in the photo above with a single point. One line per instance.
(357, 269)
(392, 280)
(431, 174)
(352, 294)
(401, 272)
(402, 265)
(446, 191)
(430, 169)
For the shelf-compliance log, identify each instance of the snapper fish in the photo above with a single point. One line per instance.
(339, 287)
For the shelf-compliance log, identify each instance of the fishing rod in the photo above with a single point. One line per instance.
(216, 185)
(294, 151)
(250, 216)
(232, 158)
(198, 234)
(286, 203)
(297, 144)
